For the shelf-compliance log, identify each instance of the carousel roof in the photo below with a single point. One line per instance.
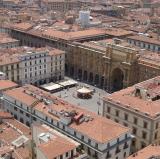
(84, 90)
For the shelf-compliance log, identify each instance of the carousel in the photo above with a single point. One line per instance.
(84, 93)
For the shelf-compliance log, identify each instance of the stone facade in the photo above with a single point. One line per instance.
(103, 66)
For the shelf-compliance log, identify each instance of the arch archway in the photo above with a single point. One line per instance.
(117, 79)
(85, 76)
(91, 77)
(72, 71)
(96, 79)
(80, 74)
(102, 81)
(66, 68)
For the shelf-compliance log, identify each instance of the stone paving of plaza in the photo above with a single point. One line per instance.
(93, 104)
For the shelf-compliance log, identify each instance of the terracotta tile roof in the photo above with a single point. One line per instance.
(146, 153)
(6, 84)
(11, 130)
(5, 150)
(56, 147)
(11, 55)
(150, 58)
(58, 144)
(118, 32)
(22, 26)
(22, 153)
(145, 39)
(19, 94)
(5, 115)
(73, 35)
(4, 38)
(126, 99)
(97, 129)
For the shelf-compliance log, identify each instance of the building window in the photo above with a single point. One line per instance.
(27, 115)
(117, 113)
(145, 124)
(28, 124)
(108, 109)
(15, 116)
(125, 145)
(117, 150)
(125, 124)
(89, 152)
(126, 116)
(21, 120)
(155, 135)
(135, 120)
(66, 154)
(143, 145)
(108, 145)
(117, 121)
(82, 137)
(108, 155)
(89, 141)
(157, 125)
(21, 111)
(124, 155)
(34, 119)
(134, 130)
(133, 142)
(15, 108)
(144, 135)
(107, 116)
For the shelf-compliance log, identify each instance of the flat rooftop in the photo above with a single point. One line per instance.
(83, 121)
(143, 97)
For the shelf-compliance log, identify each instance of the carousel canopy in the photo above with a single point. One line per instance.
(84, 90)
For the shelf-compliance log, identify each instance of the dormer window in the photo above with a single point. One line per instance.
(138, 93)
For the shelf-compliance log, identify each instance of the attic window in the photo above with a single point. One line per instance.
(138, 93)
